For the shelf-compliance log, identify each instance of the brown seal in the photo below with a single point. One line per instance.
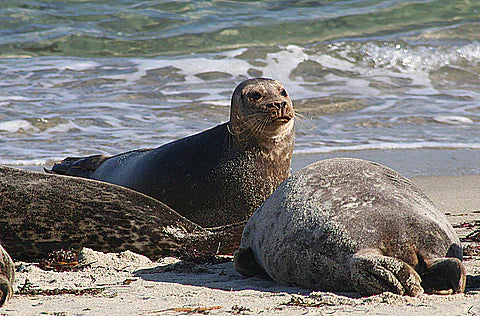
(7, 274)
(41, 213)
(348, 225)
(219, 176)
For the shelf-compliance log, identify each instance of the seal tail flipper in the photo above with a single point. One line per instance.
(444, 276)
(374, 273)
(78, 166)
(245, 263)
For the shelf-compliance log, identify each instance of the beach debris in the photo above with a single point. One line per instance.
(60, 261)
(471, 250)
(299, 300)
(473, 236)
(28, 288)
(239, 310)
(187, 310)
(464, 225)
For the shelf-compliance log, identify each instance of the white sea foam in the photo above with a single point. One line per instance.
(13, 98)
(16, 126)
(453, 120)
(405, 58)
(77, 65)
(29, 162)
(63, 128)
(189, 66)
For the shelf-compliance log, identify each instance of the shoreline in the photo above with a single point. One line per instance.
(409, 162)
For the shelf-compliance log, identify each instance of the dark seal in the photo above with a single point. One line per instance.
(348, 225)
(7, 273)
(41, 213)
(219, 176)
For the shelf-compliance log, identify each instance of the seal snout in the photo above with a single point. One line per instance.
(281, 113)
(278, 105)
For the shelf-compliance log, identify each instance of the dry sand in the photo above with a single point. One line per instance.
(127, 283)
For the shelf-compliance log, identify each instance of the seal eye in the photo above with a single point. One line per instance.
(283, 93)
(255, 96)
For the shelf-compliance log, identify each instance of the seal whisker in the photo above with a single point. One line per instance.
(252, 126)
(298, 114)
(255, 127)
(302, 119)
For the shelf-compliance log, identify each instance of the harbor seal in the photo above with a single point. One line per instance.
(219, 176)
(348, 225)
(41, 213)
(7, 274)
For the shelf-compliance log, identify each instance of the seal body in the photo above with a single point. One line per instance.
(351, 225)
(7, 274)
(41, 213)
(219, 176)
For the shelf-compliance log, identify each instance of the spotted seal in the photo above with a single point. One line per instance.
(41, 213)
(219, 176)
(348, 225)
(7, 273)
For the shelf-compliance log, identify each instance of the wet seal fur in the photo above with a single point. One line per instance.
(41, 213)
(219, 176)
(346, 225)
(7, 274)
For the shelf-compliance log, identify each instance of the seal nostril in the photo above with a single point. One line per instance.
(276, 105)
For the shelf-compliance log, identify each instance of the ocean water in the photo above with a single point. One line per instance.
(87, 77)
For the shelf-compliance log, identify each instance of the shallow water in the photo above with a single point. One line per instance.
(79, 78)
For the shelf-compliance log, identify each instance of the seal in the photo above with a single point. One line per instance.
(7, 274)
(219, 176)
(348, 225)
(41, 213)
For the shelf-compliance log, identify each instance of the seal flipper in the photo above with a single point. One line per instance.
(444, 276)
(6, 290)
(78, 166)
(374, 273)
(7, 274)
(245, 263)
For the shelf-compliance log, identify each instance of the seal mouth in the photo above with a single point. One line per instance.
(282, 119)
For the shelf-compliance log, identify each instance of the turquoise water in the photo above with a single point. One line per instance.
(83, 77)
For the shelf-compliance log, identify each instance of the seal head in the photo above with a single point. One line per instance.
(261, 109)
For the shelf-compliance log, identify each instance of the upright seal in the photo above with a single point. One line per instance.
(219, 176)
(351, 225)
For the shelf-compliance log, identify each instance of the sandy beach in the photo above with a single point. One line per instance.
(129, 283)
